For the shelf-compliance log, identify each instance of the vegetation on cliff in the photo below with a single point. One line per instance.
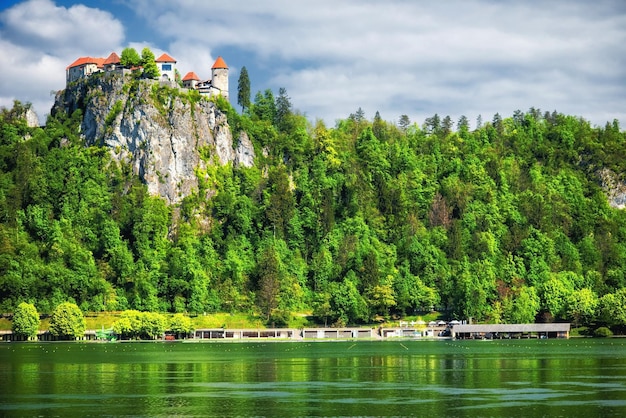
(504, 223)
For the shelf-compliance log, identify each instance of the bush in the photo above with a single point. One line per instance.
(602, 332)
(181, 325)
(67, 321)
(134, 324)
(25, 321)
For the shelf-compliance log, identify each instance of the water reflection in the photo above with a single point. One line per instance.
(469, 378)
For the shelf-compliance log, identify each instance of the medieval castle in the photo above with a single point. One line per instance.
(216, 85)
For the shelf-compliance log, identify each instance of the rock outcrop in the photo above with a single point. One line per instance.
(614, 188)
(164, 132)
(32, 120)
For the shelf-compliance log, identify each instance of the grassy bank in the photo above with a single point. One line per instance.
(99, 320)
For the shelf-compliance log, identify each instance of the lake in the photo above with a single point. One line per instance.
(530, 378)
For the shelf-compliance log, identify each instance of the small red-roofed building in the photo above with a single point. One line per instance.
(112, 62)
(167, 67)
(83, 67)
(217, 85)
(191, 80)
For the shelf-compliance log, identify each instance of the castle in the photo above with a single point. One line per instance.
(215, 86)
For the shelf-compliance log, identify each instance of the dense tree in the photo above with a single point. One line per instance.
(581, 306)
(129, 324)
(506, 222)
(463, 124)
(181, 325)
(404, 122)
(150, 69)
(522, 308)
(269, 281)
(130, 57)
(134, 324)
(243, 89)
(283, 110)
(153, 325)
(25, 322)
(613, 308)
(265, 106)
(67, 321)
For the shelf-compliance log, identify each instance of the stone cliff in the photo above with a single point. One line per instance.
(163, 132)
(614, 188)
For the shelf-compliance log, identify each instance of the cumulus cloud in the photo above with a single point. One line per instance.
(420, 58)
(459, 57)
(38, 39)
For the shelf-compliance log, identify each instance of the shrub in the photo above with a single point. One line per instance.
(25, 321)
(134, 324)
(602, 332)
(67, 321)
(181, 325)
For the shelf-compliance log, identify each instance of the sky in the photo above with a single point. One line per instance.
(398, 57)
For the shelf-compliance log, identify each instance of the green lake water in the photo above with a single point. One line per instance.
(530, 378)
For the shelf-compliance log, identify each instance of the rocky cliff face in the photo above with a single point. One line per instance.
(614, 188)
(160, 130)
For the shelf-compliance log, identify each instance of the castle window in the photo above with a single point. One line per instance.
(166, 67)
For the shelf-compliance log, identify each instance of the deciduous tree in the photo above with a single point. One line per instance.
(150, 69)
(67, 321)
(181, 325)
(130, 58)
(25, 322)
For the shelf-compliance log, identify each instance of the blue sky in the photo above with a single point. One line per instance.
(458, 57)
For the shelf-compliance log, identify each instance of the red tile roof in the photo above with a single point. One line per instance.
(191, 76)
(112, 59)
(165, 58)
(219, 63)
(87, 60)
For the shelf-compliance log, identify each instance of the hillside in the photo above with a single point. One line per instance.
(509, 222)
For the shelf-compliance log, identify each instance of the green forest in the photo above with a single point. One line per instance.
(503, 223)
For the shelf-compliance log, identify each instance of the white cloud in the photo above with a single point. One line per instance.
(39, 39)
(455, 57)
(399, 57)
(192, 56)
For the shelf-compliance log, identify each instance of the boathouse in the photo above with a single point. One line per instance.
(466, 331)
(237, 334)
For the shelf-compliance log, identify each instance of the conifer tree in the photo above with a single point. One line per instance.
(243, 89)
(283, 109)
(404, 122)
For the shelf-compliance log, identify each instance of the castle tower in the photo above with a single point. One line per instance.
(219, 77)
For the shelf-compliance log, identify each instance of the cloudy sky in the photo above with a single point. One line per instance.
(457, 57)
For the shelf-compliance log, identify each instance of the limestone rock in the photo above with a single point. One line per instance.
(159, 129)
(244, 154)
(32, 120)
(614, 188)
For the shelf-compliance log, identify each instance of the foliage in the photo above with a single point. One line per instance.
(150, 69)
(130, 58)
(613, 307)
(181, 325)
(602, 332)
(243, 89)
(67, 321)
(362, 220)
(25, 322)
(134, 324)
